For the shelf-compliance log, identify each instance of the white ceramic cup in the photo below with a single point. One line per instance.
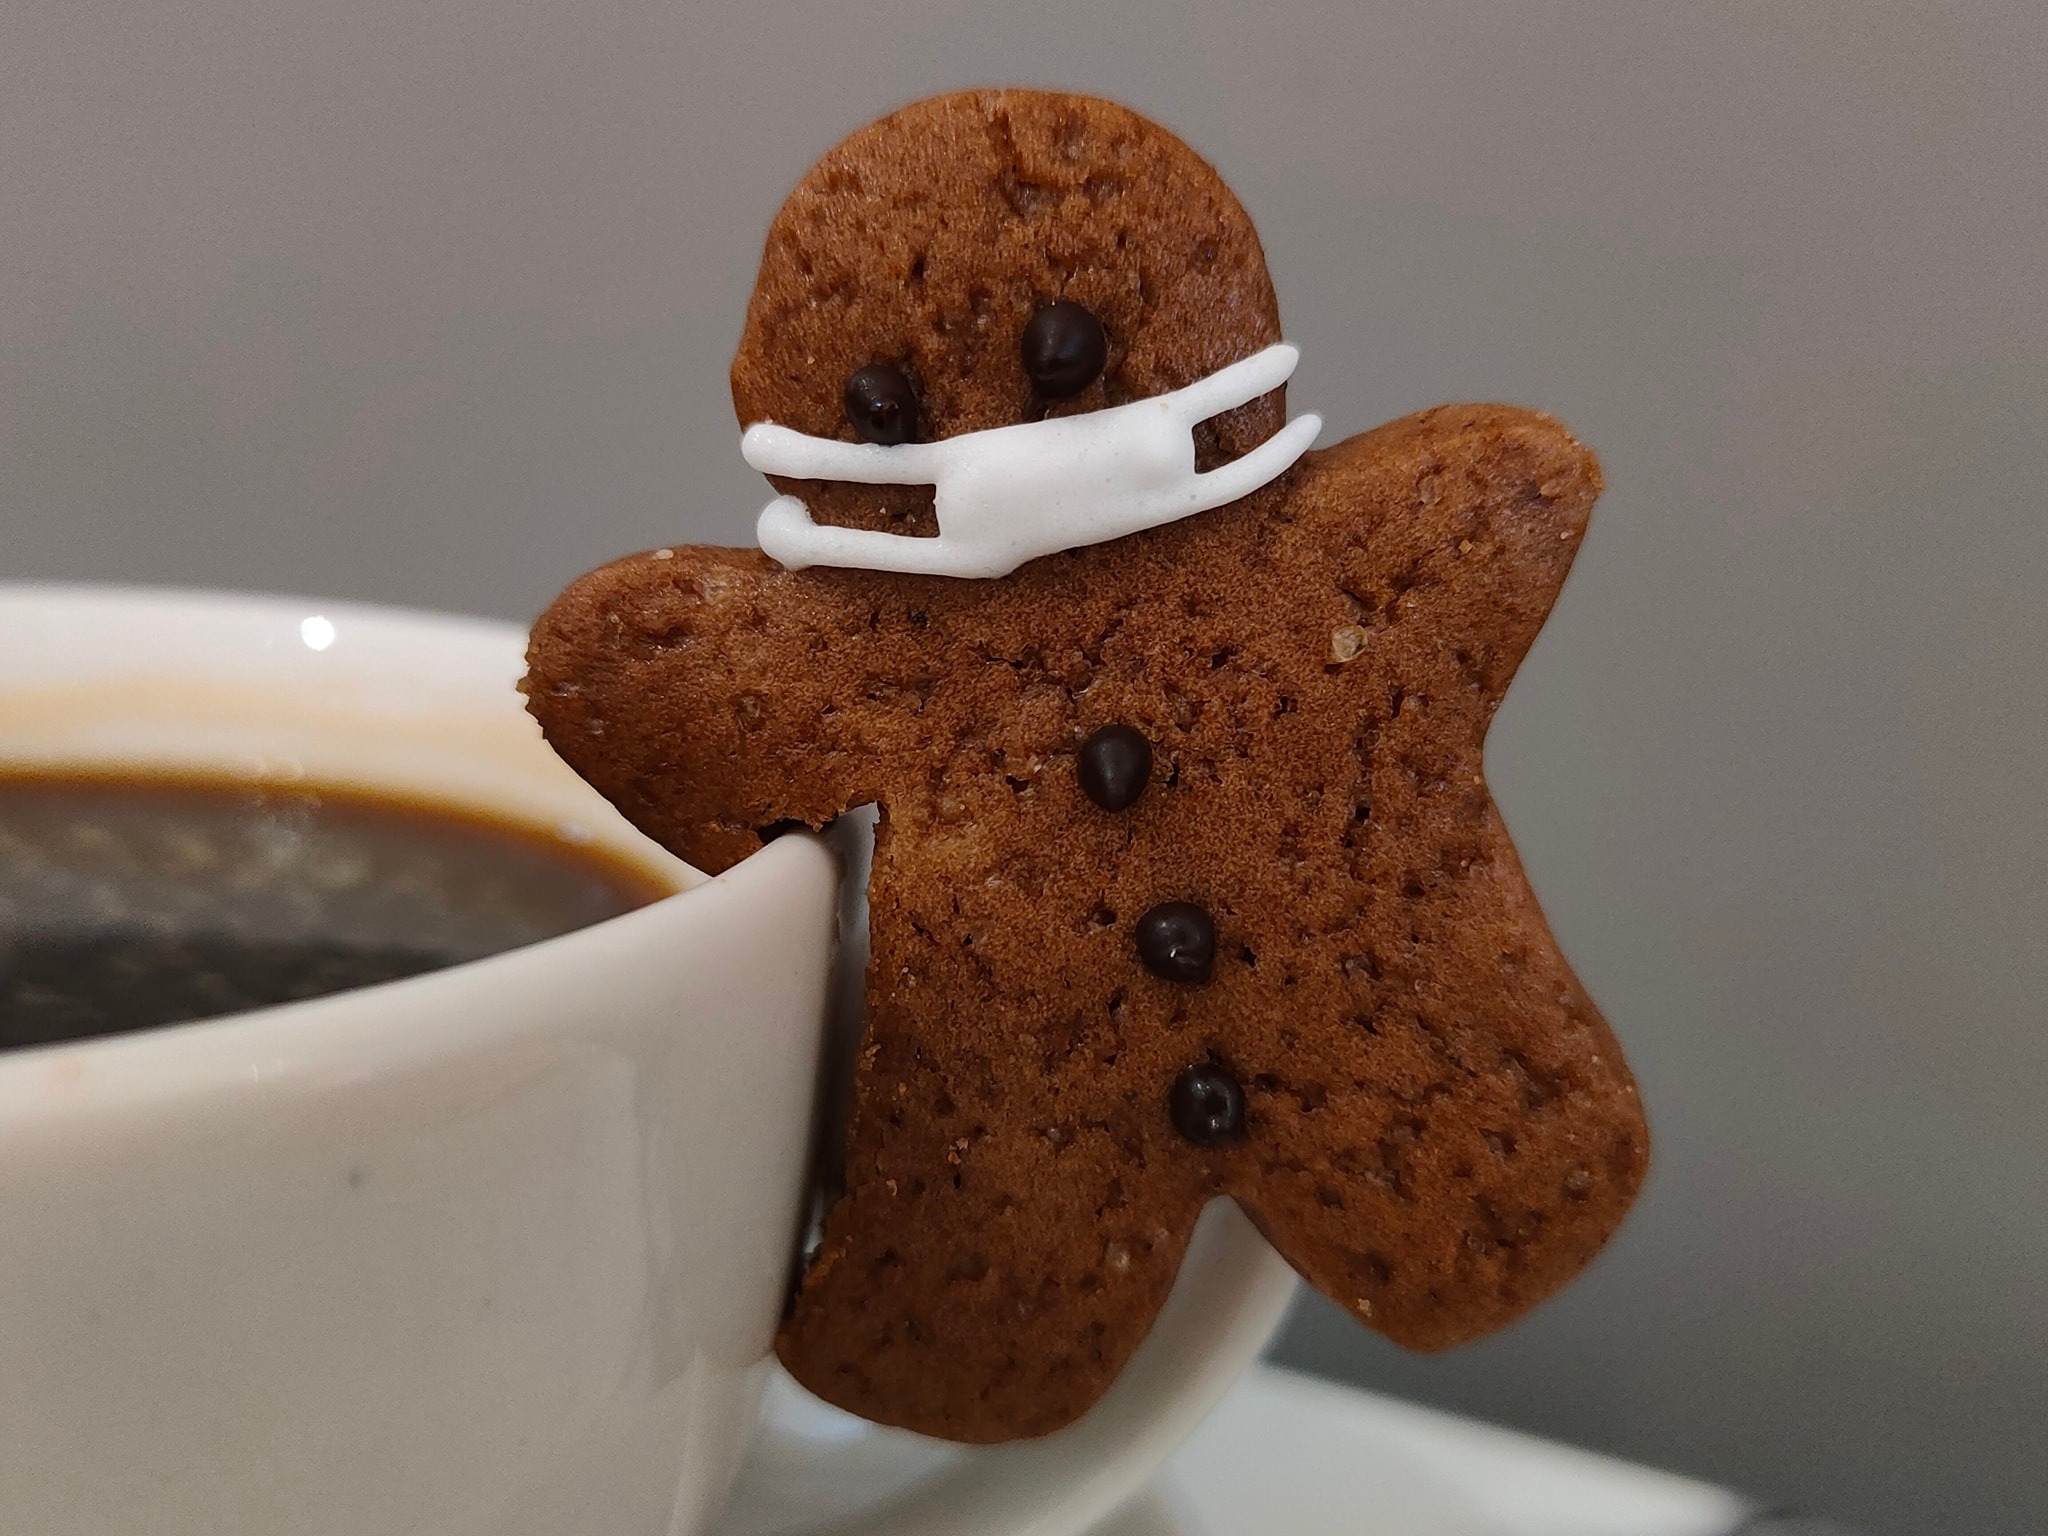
(496, 1251)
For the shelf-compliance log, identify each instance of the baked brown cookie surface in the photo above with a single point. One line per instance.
(1292, 959)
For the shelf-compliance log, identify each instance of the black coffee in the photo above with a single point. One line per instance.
(129, 904)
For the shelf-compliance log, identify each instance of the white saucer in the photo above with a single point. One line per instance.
(1282, 1454)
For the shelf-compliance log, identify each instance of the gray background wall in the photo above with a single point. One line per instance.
(432, 303)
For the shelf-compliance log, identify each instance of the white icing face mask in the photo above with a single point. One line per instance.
(1011, 494)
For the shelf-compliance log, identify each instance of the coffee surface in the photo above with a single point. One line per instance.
(128, 904)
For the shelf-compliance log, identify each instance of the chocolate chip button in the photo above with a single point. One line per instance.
(1206, 1104)
(1064, 350)
(1115, 766)
(1177, 941)
(881, 405)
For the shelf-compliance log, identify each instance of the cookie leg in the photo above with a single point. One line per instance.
(984, 1291)
(1456, 1148)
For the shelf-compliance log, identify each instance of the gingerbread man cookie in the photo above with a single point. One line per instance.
(1187, 883)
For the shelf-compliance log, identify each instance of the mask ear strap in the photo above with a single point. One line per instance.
(789, 537)
(1247, 472)
(777, 450)
(1239, 384)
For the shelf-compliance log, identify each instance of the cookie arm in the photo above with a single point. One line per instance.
(1453, 527)
(701, 691)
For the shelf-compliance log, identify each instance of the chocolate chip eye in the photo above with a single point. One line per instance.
(881, 405)
(1064, 350)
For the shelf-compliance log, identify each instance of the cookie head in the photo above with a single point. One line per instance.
(994, 257)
